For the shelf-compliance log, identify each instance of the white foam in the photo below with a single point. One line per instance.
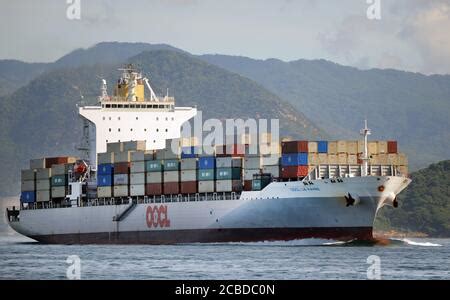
(423, 244)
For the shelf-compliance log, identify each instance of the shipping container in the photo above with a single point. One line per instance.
(38, 163)
(114, 147)
(104, 191)
(207, 162)
(171, 188)
(171, 164)
(138, 156)
(206, 174)
(403, 170)
(228, 173)
(188, 175)
(322, 146)
(28, 197)
(323, 158)
(229, 186)
(154, 177)
(50, 161)
(332, 159)
(105, 158)
(122, 157)
(265, 137)
(270, 160)
(383, 159)
(153, 166)
(171, 176)
(393, 159)
(228, 162)
(260, 183)
(342, 158)
(188, 164)
(43, 184)
(248, 173)
(43, 173)
(341, 146)
(374, 159)
(188, 187)
(352, 159)
(372, 147)
(332, 148)
(312, 147)
(274, 170)
(59, 180)
(137, 178)
(121, 179)
(121, 191)
(168, 153)
(392, 147)
(153, 189)
(61, 169)
(252, 162)
(59, 192)
(294, 159)
(294, 171)
(149, 155)
(121, 167)
(189, 152)
(137, 189)
(248, 185)
(230, 150)
(104, 180)
(294, 147)
(206, 186)
(137, 167)
(269, 149)
(43, 196)
(402, 159)
(28, 175)
(352, 147)
(313, 158)
(27, 185)
(134, 146)
(382, 147)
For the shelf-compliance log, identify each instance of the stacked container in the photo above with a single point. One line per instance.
(121, 177)
(228, 174)
(28, 186)
(137, 173)
(252, 166)
(43, 178)
(60, 180)
(206, 174)
(294, 159)
(188, 176)
(105, 172)
(153, 174)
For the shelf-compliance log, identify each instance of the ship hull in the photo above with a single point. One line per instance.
(282, 211)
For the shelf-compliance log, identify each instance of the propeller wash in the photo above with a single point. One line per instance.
(146, 184)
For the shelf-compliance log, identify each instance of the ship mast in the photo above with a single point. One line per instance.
(365, 132)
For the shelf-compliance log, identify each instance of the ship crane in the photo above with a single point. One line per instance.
(365, 132)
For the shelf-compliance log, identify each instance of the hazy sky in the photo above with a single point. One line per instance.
(411, 35)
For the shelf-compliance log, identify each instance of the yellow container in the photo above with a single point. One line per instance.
(312, 147)
(342, 158)
(332, 159)
(372, 147)
(374, 159)
(313, 159)
(341, 147)
(383, 159)
(352, 159)
(382, 147)
(352, 147)
(323, 158)
(402, 159)
(393, 159)
(332, 147)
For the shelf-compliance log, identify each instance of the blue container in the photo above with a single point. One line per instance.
(207, 162)
(28, 197)
(104, 180)
(189, 152)
(294, 159)
(105, 169)
(322, 146)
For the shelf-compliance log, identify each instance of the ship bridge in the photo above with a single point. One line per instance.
(128, 115)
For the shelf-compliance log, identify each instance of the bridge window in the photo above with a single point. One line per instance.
(118, 118)
(131, 129)
(120, 105)
(145, 129)
(108, 105)
(166, 130)
(126, 106)
(157, 119)
(157, 130)
(160, 106)
(114, 106)
(167, 119)
(118, 129)
(110, 130)
(104, 118)
(137, 118)
(132, 106)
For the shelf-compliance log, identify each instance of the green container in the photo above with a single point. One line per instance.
(59, 180)
(259, 184)
(228, 173)
(205, 174)
(153, 166)
(171, 165)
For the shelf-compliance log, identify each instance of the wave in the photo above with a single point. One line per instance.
(415, 243)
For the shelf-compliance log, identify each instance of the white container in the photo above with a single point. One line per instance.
(224, 185)
(312, 147)
(137, 156)
(105, 158)
(137, 178)
(270, 160)
(114, 147)
(104, 191)
(188, 164)
(137, 167)
(352, 147)
(28, 175)
(228, 162)
(38, 163)
(154, 177)
(43, 173)
(332, 159)
(42, 184)
(313, 159)
(342, 158)
(274, 170)
(372, 147)
(383, 159)
(43, 196)
(59, 192)
(248, 173)
(206, 186)
(27, 185)
(270, 149)
(252, 162)
(323, 158)
(120, 179)
(332, 147)
(382, 147)
(171, 176)
(341, 146)
(62, 169)
(134, 146)
(120, 190)
(352, 159)
(122, 156)
(137, 190)
(188, 175)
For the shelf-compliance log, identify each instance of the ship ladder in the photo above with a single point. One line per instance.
(125, 213)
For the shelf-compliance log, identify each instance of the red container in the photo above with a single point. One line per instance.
(171, 188)
(392, 146)
(294, 147)
(153, 189)
(189, 187)
(50, 161)
(121, 168)
(294, 172)
(247, 185)
(230, 150)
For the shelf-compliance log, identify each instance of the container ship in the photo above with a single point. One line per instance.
(141, 182)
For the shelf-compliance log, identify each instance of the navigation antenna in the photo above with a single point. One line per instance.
(365, 132)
